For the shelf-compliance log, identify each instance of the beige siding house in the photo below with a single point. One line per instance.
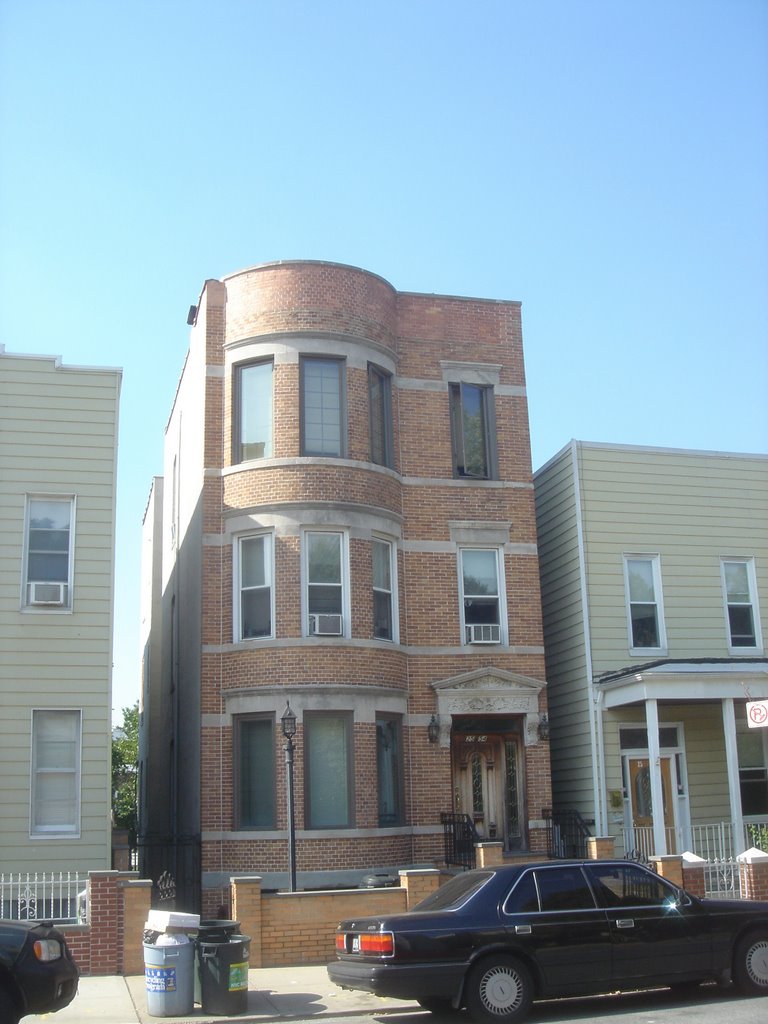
(654, 570)
(58, 443)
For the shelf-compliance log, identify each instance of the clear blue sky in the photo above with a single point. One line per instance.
(605, 163)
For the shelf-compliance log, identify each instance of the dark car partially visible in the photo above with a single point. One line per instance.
(37, 972)
(496, 939)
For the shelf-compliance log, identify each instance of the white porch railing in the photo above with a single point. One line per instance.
(713, 842)
(41, 896)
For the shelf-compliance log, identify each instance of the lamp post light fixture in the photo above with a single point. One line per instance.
(288, 722)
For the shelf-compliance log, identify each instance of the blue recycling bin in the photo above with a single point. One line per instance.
(169, 971)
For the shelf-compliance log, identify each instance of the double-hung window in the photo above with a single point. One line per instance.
(322, 406)
(380, 408)
(325, 577)
(383, 594)
(645, 612)
(473, 431)
(256, 599)
(253, 411)
(55, 804)
(328, 779)
(481, 595)
(48, 552)
(740, 594)
(389, 769)
(254, 737)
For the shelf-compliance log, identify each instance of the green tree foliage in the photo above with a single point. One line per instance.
(125, 770)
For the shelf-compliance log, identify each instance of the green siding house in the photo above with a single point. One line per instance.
(654, 571)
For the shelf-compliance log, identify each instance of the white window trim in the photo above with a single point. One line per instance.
(393, 585)
(237, 625)
(749, 561)
(66, 607)
(345, 582)
(56, 832)
(501, 582)
(655, 560)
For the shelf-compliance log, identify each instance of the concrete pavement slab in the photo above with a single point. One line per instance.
(274, 993)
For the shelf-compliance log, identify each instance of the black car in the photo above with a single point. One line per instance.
(37, 973)
(493, 940)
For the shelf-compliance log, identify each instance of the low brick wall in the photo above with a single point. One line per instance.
(299, 928)
(112, 940)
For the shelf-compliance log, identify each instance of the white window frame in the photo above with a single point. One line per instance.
(749, 562)
(241, 412)
(500, 583)
(71, 831)
(26, 583)
(393, 587)
(237, 560)
(345, 581)
(655, 561)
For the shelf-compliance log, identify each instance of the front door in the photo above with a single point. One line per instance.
(640, 802)
(487, 784)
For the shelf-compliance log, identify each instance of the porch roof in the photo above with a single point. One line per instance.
(692, 679)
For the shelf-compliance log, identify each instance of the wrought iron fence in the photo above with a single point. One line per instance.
(173, 864)
(459, 838)
(41, 896)
(567, 834)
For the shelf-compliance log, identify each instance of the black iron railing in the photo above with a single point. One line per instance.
(567, 834)
(459, 837)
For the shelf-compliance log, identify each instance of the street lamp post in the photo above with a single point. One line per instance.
(288, 722)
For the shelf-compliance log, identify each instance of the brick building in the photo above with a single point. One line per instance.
(345, 523)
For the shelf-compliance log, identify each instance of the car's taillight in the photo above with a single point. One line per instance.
(47, 949)
(377, 944)
(366, 943)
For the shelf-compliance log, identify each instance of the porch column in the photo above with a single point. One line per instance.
(654, 765)
(732, 769)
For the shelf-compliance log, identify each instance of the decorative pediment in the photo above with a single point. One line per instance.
(487, 691)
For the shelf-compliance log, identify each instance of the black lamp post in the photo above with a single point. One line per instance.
(288, 722)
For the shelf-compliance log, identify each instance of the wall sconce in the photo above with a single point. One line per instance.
(433, 730)
(544, 727)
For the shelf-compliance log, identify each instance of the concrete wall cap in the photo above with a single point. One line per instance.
(753, 856)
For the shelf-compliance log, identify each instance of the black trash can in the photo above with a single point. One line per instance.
(218, 930)
(222, 969)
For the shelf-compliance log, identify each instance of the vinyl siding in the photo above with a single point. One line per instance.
(58, 435)
(690, 509)
(563, 619)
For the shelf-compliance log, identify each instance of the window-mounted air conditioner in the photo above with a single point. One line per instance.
(51, 594)
(325, 625)
(486, 633)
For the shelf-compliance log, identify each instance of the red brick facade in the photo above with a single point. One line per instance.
(487, 698)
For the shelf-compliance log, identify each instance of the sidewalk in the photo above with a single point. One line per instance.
(274, 993)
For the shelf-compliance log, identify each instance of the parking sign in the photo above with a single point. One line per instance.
(757, 714)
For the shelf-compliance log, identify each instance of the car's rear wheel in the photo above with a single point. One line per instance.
(750, 964)
(9, 1014)
(499, 990)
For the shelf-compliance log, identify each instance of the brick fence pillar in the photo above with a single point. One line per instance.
(246, 908)
(418, 884)
(489, 855)
(137, 900)
(669, 867)
(753, 869)
(694, 876)
(105, 921)
(601, 847)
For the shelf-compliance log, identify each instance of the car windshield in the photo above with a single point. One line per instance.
(455, 893)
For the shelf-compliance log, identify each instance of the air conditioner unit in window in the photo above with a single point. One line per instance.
(325, 625)
(489, 633)
(47, 593)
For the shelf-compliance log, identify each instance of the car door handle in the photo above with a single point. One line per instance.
(625, 922)
(523, 929)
